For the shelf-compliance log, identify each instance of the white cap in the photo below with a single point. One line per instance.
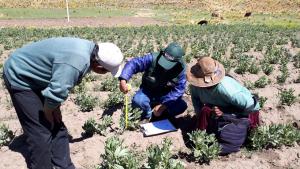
(110, 57)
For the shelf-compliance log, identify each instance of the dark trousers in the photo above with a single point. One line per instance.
(49, 147)
(230, 130)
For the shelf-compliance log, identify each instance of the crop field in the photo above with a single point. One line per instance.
(262, 52)
(264, 59)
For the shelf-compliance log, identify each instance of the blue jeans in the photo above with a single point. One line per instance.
(144, 100)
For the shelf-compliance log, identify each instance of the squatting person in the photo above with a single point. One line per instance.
(163, 82)
(223, 106)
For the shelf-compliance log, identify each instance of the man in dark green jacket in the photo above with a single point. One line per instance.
(39, 76)
(163, 82)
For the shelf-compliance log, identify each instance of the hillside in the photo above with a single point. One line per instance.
(265, 6)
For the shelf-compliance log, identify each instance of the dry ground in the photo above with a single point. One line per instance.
(81, 22)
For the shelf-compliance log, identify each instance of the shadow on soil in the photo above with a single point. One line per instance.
(186, 124)
(111, 110)
(19, 145)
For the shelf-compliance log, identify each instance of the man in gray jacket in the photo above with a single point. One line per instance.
(39, 76)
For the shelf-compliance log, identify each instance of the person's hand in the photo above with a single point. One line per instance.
(123, 86)
(158, 110)
(52, 115)
(217, 111)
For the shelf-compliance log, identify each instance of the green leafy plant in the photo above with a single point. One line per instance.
(206, 147)
(161, 157)
(136, 80)
(273, 136)
(249, 85)
(273, 55)
(86, 102)
(6, 135)
(242, 64)
(296, 59)
(109, 84)
(80, 88)
(284, 74)
(117, 156)
(287, 97)
(262, 82)
(267, 68)
(114, 99)
(91, 126)
(134, 117)
(262, 101)
(89, 77)
(254, 68)
(105, 122)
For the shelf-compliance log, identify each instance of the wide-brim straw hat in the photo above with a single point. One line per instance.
(206, 72)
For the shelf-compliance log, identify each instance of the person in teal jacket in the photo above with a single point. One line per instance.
(39, 77)
(222, 105)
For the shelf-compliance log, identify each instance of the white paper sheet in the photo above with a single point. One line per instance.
(157, 127)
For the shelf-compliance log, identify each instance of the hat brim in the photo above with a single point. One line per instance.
(199, 81)
(165, 63)
(116, 71)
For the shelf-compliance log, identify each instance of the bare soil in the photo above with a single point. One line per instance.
(81, 22)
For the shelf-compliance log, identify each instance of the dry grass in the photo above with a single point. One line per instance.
(266, 6)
